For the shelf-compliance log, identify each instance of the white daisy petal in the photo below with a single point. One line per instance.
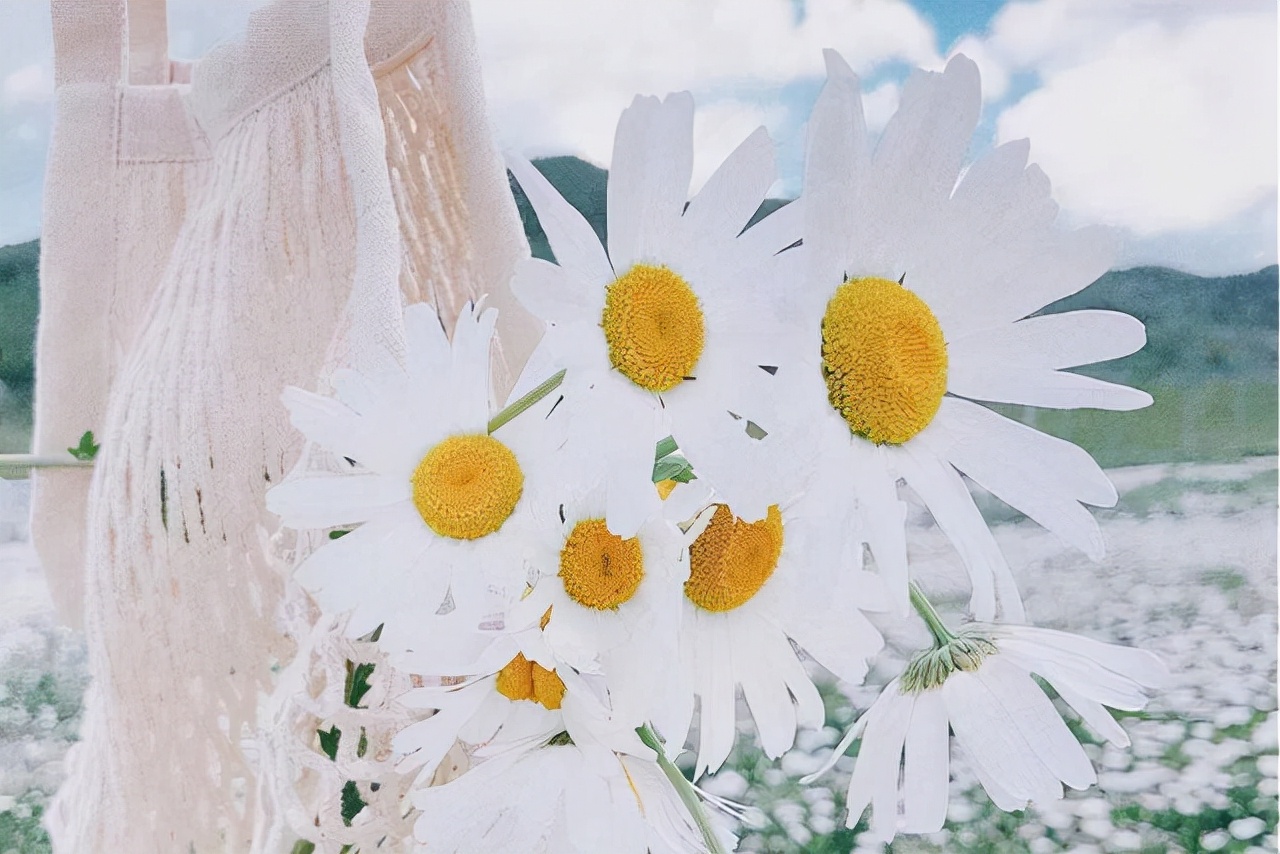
(323, 500)
(336, 428)
(836, 162)
(1019, 363)
(926, 766)
(943, 491)
(1054, 341)
(916, 164)
(572, 240)
(995, 788)
(875, 774)
(885, 516)
(631, 496)
(1049, 389)
(1033, 713)
(1139, 665)
(432, 738)
(553, 294)
(1095, 715)
(734, 192)
(427, 342)
(649, 178)
(1093, 680)
(719, 696)
(1044, 477)
(986, 728)
(769, 701)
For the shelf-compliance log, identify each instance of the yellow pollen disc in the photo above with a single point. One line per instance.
(523, 679)
(467, 486)
(884, 359)
(665, 488)
(653, 325)
(731, 559)
(599, 569)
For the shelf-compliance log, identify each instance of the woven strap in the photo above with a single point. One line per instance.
(110, 41)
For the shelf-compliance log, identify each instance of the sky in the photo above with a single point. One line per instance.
(1156, 117)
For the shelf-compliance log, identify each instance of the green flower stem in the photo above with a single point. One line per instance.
(688, 795)
(525, 402)
(941, 635)
(37, 461)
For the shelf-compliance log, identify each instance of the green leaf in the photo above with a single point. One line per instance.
(673, 468)
(86, 450)
(303, 846)
(357, 683)
(665, 448)
(337, 535)
(362, 746)
(329, 742)
(352, 803)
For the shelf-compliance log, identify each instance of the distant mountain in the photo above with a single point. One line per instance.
(19, 302)
(1210, 359)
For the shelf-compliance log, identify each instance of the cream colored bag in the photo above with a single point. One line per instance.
(311, 177)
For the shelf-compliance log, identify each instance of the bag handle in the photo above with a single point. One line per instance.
(148, 51)
(110, 41)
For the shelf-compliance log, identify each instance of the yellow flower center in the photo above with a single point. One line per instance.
(884, 359)
(467, 486)
(653, 325)
(523, 679)
(731, 559)
(600, 569)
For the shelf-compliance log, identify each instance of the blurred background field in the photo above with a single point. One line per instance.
(1190, 573)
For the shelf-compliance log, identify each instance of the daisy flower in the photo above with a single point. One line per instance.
(753, 588)
(570, 798)
(921, 282)
(440, 504)
(979, 684)
(523, 696)
(666, 321)
(614, 602)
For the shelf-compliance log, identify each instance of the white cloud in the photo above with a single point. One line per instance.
(880, 104)
(558, 72)
(1163, 128)
(30, 84)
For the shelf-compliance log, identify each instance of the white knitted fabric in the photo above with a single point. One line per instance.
(279, 224)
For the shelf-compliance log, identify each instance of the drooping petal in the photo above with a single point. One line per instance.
(991, 737)
(875, 774)
(926, 766)
(1033, 713)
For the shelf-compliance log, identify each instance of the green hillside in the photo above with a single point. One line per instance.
(19, 302)
(1210, 359)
